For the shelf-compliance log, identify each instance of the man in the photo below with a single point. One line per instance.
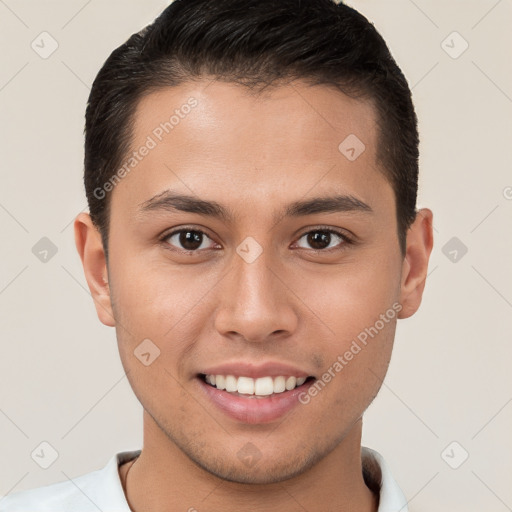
(251, 169)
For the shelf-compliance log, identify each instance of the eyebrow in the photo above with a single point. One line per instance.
(172, 201)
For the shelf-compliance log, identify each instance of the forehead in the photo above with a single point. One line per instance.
(214, 138)
(294, 113)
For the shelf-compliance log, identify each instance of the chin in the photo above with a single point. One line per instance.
(263, 471)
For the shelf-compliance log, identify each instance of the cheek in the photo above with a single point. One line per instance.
(151, 295)
(356, 308)
(355, 364)
(348, 298)
(152, 302)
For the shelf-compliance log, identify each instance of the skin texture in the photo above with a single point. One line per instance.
(254, 155)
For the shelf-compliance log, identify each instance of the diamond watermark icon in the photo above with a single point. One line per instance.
(44, 45)
(454, 45)
(351, 147)
(454, 455)
(44, 455)
(146, 352)
(249, 250)
(44, 250)
(249, 455)
(454, 249)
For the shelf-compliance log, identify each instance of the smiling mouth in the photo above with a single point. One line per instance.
(262, 387)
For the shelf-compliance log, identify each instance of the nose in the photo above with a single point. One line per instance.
(256, 301)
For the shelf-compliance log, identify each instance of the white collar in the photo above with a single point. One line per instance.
(102, 489)
(391, 496)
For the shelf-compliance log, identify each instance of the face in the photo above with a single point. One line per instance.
(293, 270)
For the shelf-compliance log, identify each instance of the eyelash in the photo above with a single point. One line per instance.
(345, 238)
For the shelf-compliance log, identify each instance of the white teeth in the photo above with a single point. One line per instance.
(264, 386)
(246, 385)
(220, 381)
(279, 384)
(231, 383)
(291, 382)
(261, 387)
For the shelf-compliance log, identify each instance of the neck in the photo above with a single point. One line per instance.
(164, 479)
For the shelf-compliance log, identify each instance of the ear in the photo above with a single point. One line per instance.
(420, 241)
(90, 248)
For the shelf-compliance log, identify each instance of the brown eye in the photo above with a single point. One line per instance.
(187, 239)
(321, 239)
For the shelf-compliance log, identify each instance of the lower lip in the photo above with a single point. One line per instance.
(254, 410)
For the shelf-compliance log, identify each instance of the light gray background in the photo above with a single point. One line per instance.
(61, 380)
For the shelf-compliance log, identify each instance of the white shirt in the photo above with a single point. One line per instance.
(101, 490)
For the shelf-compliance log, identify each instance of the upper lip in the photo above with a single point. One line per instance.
(245, 369)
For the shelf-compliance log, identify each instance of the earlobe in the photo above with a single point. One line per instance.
(420, 241)
(90, 248)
